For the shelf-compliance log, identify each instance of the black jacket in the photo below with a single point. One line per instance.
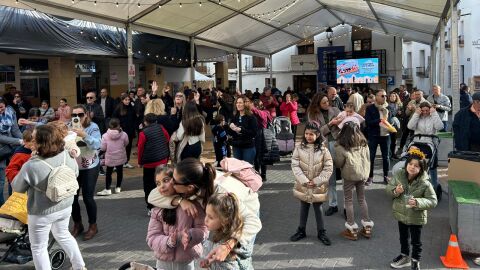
(128, 121)
(461, 128)
(246, 138)
(109, 106)
(372, 120)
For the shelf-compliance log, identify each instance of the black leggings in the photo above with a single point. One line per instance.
(108, 177)
(414, 233)
(129, 145)
(317, 208)
(148, 183)
(87, 179)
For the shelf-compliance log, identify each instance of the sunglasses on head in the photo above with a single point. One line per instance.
(78, 115)
(90, 97)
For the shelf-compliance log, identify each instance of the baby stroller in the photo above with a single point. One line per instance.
(284, 135)
(14, 235)
(135, 266)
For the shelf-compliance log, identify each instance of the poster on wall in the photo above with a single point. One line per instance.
(363, 70)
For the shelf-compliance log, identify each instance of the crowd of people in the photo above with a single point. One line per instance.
(196, 212)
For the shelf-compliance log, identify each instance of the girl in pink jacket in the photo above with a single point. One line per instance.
(174, 236)
(289, 109)
(114, 142)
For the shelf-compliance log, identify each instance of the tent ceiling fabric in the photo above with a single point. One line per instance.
(252, 25)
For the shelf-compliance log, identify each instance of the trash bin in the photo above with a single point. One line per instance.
(464, 213)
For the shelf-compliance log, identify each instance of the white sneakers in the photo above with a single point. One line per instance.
(105, 192)
(108, 192)
(128, 166)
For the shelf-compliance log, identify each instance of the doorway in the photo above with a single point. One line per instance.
(302, 82)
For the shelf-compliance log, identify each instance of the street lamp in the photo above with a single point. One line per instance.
(329, 32)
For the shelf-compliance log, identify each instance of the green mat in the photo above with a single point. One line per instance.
(447, 135)
(465, 192)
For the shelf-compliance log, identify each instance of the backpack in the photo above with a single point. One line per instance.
(284, 135)
(62, 182)
(243, 171)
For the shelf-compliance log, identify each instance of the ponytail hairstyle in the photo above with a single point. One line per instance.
(350, 136)
(169, 216)
(193, 172)
(315, 127)
(225, 205)
(114, 124)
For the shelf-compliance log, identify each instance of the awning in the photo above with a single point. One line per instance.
(254, 26)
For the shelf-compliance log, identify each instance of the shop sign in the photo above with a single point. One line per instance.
(85, 67)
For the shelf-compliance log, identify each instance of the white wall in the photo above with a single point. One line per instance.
(393, 47)
(415, 49)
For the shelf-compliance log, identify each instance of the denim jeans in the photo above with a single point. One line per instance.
(434, 177)
(384, 142)
(332, 182)
(246, 154)
(2, 185)
(445, 125)
(39, 227)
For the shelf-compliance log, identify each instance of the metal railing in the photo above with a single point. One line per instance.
(407, 74)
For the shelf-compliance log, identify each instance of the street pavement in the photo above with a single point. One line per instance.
(123, 221)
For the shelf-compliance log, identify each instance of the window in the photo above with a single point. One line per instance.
(357, 45)
(421, 59)
(306, 49)
(232, 62)
(449, 76)
(258, 62)
(7, 74)
(267, 82)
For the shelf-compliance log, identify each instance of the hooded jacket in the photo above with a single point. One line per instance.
(420, 189)
(355, 163)
(114, 143)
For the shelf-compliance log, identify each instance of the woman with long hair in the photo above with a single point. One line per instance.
(194, 181)
(321, 111)
(45, 215)
(190, 134)
(89, 140)
(125, 112)
(243, 130)
(395, 107)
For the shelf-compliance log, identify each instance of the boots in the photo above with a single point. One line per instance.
(322, 236)
(300, 234)
(77, 229)
(351, 231)
(92, 231)
(367, 229)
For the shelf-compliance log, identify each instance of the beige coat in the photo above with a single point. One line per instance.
(308, 164)
(355, 164)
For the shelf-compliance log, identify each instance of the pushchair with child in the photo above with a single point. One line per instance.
(14, 240)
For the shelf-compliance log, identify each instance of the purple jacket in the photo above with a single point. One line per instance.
(159, 231)
(114, 143)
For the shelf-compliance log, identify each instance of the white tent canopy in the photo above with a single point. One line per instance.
(183, 75)
(254, 26)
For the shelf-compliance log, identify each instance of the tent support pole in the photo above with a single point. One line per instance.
(271, 69)
(240, 71)
(131, 79)
(192, 62)
(454, 50)
(441, 56)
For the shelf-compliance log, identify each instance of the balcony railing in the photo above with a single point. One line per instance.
(461, 40)
(407, 74)
(420, 71)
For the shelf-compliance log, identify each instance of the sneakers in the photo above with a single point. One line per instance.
(415, 265)
(401, 261)
(118, 189)
(331, 210)
(102, 171)
(105, 192)
(128, 166)
(369, 181)
(300, 234)
(322, 236)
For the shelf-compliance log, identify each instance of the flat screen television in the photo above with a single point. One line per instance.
(362, 70)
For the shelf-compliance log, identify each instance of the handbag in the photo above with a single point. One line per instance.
(6, 151)
(310, 195)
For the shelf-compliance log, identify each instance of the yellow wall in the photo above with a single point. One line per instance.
(221, 72)
(62, 80)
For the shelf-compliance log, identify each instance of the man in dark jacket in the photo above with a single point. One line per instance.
(107, 103)
(95, 111)
(21, 106)
(377, 134)
(466, 126)
(334, 99)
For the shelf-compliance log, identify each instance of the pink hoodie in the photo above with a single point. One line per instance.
(159, 231)
(290, 110)
(114, 143)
